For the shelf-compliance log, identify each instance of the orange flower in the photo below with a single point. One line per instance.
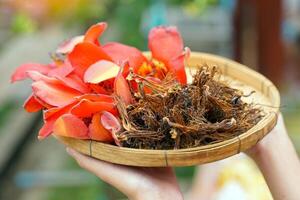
(72, 91)
(168, 54)
(76, 90)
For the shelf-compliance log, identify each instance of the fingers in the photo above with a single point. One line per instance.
(123, 178)
(134, 182)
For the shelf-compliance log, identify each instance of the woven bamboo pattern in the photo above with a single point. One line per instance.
(238, 76)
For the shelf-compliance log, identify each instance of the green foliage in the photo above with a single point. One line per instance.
(77, 193)
(128, 17)
(5, 110)
(198, 6)
(185, 172)
(22, 23)
(91, 12)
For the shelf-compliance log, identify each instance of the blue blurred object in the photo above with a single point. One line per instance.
(156, 16)
(30, 179)
(290, 32)
(228, 5)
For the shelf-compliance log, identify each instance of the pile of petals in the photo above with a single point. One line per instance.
(77, 90)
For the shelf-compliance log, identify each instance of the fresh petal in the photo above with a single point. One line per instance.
(84, 55)
(122, 89)
(57, 111)
(37, 76)
(53, 93)
(50, 116)
(73, 81)
(51, 90)
(97, 131)
(69, 125)
(112, 124)
(94, 32)
(47, 114)
(21, 71)
(44, 104)
(98, 89)
(32, 105)
(85, 108)
(165, 43)
(177, 66)
(61, 71)
(101, 71)
(46, 130)
(68, 45)
(120, 53)
(97, 97)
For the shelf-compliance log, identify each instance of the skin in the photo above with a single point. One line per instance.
(277, 159)
(136, 183)
(274, 155)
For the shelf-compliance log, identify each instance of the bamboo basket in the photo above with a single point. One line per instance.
(238, 76)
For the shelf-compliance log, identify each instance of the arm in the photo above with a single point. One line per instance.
(277, 159)
(135, 183)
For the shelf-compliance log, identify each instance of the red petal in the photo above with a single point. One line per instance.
(54, 94)
(37, 76)
(68, 45)
(61, 71)
(85, 108)
(120, 53)
(69, 125)
(32, 105)
(97, 131)
(98, 89)
(165, 43)
(112, 124)
(122, 89)
(84, 55)
(44, 104)
(50, 116)
(101, 71)
(51, 90)
(46, 130)
(177, 66)
(97, 97)
(21, 71)
(94, 32)
(57, 111)
(73, 81)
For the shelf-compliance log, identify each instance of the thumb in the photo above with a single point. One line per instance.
(124, 178)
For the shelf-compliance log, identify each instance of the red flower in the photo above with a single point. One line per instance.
(76, 89)
(168, 55)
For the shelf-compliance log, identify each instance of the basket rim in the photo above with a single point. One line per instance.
(187, 150)
(266, 120)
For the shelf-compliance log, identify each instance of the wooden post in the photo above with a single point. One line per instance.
(270, 51)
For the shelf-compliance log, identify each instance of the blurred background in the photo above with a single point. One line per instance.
(262, 34)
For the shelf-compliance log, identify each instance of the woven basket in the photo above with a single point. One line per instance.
(238, 76)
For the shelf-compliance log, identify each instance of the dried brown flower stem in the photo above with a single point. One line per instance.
(173, 116)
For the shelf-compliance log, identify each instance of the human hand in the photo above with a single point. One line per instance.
(277, 136)
(134, 182)
(278, 161)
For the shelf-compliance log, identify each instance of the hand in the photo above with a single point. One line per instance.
(270, 142)
(134, 182)
(278, 161)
